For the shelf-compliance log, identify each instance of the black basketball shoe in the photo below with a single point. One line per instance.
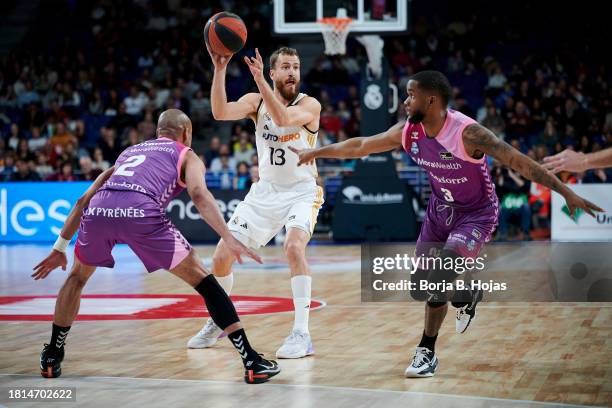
(260, 371)
(51, 362)
(466, 312)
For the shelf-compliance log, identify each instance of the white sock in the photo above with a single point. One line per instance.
(301, 286)
(226, 282)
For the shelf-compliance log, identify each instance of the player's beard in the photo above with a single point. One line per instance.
(287, 94)
(416, 117)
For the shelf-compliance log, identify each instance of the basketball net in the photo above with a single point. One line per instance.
(335, 30)
(374, 48)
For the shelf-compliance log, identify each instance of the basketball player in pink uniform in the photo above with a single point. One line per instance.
(463, 210)
(126, 204)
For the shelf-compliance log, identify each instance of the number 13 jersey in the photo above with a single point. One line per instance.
(278, 164)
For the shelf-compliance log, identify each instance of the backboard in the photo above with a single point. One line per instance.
(370, 16)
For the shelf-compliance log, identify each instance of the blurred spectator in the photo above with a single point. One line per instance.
(200, 110)
(512, 191)
(135, 102)
(520, 122)
(330, 121)
(42, 167)
(213, 150)
(96, 105)
(132, 138)
(109, 145)
(224, 157)
(122, 119)
(242, 180)
(65, 173)
(8, 168)
(62, 136)
(147, 127)
(14, 136)
(225, 171)
(539, 200)
(254, 174)
(23, 151)
(88, 172)
(493, 121)
(98, 160)
(28, 96)
(243, 149)
(36, 142)
(23, 172)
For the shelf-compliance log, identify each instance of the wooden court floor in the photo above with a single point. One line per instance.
(514, 354)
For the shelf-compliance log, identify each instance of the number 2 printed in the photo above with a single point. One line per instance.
(130, 162)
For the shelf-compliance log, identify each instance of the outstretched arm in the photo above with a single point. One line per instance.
(478, 139)
(569, 160)
(355, 147)
(57, 257)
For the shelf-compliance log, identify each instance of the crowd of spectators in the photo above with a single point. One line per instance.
(70, 104)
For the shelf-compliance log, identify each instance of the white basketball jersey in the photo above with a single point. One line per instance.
(278, 164)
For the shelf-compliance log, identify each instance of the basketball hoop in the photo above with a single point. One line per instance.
(335, 30)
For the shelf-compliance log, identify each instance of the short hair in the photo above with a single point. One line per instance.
(283, 51)
(436, 82)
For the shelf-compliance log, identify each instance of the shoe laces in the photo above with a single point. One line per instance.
(295, 337)
(420, 358)
(461, 311)
(208, 329)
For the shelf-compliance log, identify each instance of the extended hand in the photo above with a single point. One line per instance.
(567, 160)
(305, 156)
(574, 201)
(256, 65)
(238, 249)
(219, 61)
(52, 261)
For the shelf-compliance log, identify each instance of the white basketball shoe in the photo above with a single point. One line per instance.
(207, 337)
(467, 313)
(424, 364)
(297, 345)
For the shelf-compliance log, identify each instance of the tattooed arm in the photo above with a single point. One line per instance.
(479, 140)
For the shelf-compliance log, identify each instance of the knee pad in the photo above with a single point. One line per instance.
(418, 294)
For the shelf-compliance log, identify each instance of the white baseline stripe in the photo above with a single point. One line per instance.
(328, 387)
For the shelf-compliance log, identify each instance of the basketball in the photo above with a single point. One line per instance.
(225, 33)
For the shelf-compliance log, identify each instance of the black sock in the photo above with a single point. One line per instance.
(240, 341)
(429, 342)
(58, 336)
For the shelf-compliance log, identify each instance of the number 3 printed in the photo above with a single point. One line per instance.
(447, 195)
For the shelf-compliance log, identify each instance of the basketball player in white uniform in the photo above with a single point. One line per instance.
(286, 194)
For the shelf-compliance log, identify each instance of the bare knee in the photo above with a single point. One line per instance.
(295, 251)
(222, 260)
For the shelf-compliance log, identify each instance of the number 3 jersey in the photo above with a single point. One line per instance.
(152, 168)
(278, 164)
(456, 178)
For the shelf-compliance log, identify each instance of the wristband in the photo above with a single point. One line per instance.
(61, 244)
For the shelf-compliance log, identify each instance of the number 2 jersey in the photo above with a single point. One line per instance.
(456, 178)
(152, 168)
(278, 164)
